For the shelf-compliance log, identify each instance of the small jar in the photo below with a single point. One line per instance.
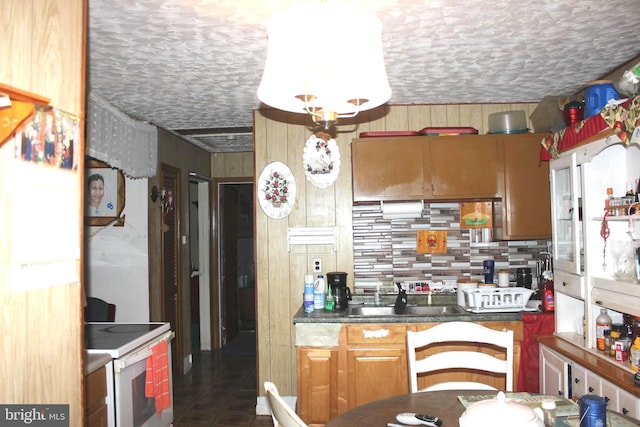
(549, 411)
(614, 336)
(607, 341)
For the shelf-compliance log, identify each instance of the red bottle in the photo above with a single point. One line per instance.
(548, 302)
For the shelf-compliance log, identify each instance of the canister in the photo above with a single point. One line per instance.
(503, 279)
(593, 411)
(524, 278)
(596, 96)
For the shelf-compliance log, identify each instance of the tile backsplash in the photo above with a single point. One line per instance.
(385, 250)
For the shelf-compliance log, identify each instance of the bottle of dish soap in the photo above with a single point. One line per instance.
(378, 298)
(634, 354)
(329, 303)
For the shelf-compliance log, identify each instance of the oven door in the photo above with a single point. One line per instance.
(133, 408)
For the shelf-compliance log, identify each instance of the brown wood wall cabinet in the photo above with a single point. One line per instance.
(526, 200)
(95, 395)
(369, 363)
(469, 167)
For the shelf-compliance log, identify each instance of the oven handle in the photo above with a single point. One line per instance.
(142, 354)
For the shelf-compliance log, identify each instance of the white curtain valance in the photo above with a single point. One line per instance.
(121, 141)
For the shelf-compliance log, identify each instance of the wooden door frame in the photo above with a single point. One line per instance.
(179, 324)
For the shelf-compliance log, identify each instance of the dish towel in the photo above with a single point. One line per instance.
(157, 381)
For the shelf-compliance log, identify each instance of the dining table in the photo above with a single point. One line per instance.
(443, 404)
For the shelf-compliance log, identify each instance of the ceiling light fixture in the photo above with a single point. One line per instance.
(324, 59)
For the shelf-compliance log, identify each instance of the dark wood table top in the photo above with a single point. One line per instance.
(442, 404)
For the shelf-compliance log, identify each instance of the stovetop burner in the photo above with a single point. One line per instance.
(120, 338)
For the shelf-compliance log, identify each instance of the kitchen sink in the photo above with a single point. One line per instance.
(414, 310)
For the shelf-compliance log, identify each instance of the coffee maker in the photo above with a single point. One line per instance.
(341, 293)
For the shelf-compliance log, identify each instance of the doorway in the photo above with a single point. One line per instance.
(236, 268)
(199, 256)
(170, 269)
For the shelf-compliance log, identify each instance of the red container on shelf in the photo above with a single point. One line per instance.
(444, 131)
(388, 133)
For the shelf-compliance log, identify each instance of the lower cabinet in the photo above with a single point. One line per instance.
(562, 376)
(95, 395)
(554, 374)
(372, 364)
(368, 363)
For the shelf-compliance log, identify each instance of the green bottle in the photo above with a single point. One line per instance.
(329, 303)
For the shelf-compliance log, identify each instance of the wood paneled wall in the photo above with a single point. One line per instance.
(280, 136)
(186, 157)
(42, 45)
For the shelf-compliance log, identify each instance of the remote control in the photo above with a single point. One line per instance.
(409, 418)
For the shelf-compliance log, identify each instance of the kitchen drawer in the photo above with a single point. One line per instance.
(376, 334)
(628, 404)
(570, 284)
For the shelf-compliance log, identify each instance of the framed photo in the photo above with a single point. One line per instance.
(104, 194)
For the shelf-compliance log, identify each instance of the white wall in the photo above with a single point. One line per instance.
(117, 260)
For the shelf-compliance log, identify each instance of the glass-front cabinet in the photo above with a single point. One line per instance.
(566, 214)
(595, 245)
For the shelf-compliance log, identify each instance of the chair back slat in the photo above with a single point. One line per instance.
(465, 333)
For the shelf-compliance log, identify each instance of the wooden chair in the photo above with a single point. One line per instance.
(461, 332)
(281, 413)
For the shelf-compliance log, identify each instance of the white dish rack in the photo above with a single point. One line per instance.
(494, 300)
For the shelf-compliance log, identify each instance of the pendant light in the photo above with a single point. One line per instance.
(324, 59)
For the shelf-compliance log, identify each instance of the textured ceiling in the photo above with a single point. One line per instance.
(196, 64)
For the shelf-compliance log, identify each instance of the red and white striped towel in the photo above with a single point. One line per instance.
(157, 381)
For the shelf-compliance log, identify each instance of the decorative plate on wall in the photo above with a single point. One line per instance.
(321, 160)
(276, 190)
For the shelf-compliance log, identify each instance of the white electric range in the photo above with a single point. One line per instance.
(130, 344)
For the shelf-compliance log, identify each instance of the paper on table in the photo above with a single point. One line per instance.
(564, 407)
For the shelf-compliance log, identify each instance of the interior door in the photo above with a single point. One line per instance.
(237, 273)
(170, 261)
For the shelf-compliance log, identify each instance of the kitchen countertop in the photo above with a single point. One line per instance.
(594, 362)
(322, 316)
(93, 362)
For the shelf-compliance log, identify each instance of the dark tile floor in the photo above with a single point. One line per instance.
(220, 390)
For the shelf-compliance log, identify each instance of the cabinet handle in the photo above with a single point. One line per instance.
(590, 389)
(625, 411)
(606, 399)
(577, 381)
(559, 392)
(598, 302)
(565, 284)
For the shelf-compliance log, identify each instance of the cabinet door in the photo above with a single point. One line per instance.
(376, 374)
(317, 384)
(553, 373)
(610, 394)
(585, 382)
(389, 169)
(95, 394)
(526, 201)
(565, 214)
(375, 362)
(628, 404)
(463, 166)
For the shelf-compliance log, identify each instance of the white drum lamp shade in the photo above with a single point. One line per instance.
(327, 54)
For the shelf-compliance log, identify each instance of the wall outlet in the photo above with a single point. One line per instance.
(317, 265)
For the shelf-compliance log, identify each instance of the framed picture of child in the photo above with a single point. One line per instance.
(104, 194)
